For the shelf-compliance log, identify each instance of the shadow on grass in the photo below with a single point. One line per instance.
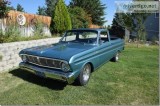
(44, 82)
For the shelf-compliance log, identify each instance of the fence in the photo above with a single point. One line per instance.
(26, 22)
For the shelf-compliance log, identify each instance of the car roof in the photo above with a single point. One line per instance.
(88, 29)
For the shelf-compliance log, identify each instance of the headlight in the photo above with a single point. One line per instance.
(24, 59)
(65, 67)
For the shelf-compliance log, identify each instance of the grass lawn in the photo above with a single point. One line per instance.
(132, 80)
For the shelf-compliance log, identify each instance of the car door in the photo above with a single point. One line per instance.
(105, 48)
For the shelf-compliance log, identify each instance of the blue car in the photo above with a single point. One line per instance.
(78, 53)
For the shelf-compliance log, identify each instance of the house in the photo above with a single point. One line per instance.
(152, 26)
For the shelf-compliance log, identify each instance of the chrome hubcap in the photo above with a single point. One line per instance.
(86, 73)
(117, 56)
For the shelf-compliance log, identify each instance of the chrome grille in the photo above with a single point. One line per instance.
(44, 62)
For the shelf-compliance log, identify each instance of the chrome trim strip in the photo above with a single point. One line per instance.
(45, 58)
(45, 66)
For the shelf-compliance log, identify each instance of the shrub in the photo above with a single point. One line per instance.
(1, 36)
(154, 39)
(23, 38)
(0, 57)
(61, 18)
(12, 34)
(38, 29)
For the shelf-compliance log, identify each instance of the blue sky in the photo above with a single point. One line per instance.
(30, 6)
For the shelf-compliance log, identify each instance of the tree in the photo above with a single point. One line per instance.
(116, 29)
(50, 7)
(140, 27)
(93, 7)
(125, 20)
(4, 8)
(108, 27)
(20, 8)
(79, 18)
(134, 22)
(3, 14)
(139, 19)
(11, 8)
(41, 11)
(61, 18)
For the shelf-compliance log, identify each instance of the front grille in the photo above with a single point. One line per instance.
(44, 62)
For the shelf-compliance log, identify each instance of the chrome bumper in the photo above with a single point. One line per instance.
(50, 73)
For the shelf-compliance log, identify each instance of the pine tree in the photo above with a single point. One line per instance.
(41, 11)
(116, 29)
(79, 18)
(20, 8)
(61, 18)
(93, 7)
(11, 8)
(4, 8)
(50, 7)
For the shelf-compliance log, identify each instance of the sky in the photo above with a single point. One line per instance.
(31, 6)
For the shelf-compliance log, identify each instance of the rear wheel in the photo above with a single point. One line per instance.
(116, 57)
(84, 76)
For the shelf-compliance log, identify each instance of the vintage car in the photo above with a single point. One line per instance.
(78, 53)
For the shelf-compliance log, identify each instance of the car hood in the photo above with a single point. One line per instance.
(62, 51)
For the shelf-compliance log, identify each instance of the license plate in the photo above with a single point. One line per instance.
(41, 74)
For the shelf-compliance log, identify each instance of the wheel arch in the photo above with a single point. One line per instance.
(90, 63)
(92, 67)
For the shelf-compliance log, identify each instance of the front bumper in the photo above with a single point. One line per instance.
(50, 73)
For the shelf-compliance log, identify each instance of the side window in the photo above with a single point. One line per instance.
(104, 37)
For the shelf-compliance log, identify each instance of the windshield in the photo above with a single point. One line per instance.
(89, 37)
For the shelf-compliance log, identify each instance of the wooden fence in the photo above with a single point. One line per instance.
(26, 22)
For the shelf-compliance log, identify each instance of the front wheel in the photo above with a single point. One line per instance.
(84, 75)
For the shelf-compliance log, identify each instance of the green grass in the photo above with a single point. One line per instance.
(132, 80)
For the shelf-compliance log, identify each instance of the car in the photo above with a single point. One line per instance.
(78, 53)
